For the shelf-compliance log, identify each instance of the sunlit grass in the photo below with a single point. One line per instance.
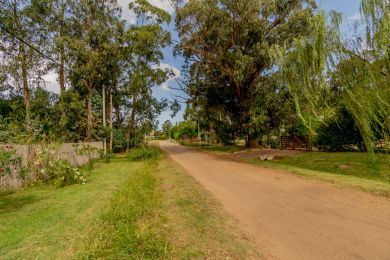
(127, 210)
(347, 168)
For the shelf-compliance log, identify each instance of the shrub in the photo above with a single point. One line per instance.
(12, 173)
(58, 172)
(11, 163)
(184, 130)
(91, 152)
(340, 134)
(143, 153)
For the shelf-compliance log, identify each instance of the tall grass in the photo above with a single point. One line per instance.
(143, 153)
(131, 227)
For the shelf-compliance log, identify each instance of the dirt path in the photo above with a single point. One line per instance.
(288, 217)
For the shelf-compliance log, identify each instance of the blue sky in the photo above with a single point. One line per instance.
(350, 9)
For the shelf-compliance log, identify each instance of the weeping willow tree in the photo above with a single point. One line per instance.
(302, 70)
(361, 66)
(368, 92)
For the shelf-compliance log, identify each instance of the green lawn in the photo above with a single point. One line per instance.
(348, 168)
(45, 222)
(126, 210)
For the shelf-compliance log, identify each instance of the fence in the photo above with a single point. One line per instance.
(66, 151)
(294, 142)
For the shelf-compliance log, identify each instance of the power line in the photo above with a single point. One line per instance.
(29, 45)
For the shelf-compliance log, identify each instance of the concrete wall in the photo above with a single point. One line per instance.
(66, 151)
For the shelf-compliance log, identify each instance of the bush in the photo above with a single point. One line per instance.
(58, 172)
(12, 173)
(11, 163)
(91, 153)
(119, 142)
(340, 134)
(184, 130)
(143, 153)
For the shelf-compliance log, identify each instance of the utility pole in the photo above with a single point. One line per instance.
(104, 119)
(111, 128)
(199, 139)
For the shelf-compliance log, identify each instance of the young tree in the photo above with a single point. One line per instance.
(20, 33)
(166, 128)
(92, 27)
(141, 58)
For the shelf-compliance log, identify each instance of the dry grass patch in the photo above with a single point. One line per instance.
(198, 227)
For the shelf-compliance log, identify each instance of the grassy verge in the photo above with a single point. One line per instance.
(349, 169)
(47, 223)
(162, 213)
(199, 228)
(127, 210)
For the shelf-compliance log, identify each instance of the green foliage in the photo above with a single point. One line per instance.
(298, 129)
(119, 140)
(91, 47)
(184, 130)
(11, 163)
(166, 129)
(89, 151)
(143, 153)
(340, 133)
(231, 48)
(58, 172)
(358, 75)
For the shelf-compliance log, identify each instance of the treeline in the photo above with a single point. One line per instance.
(267, 68)
(106, 71)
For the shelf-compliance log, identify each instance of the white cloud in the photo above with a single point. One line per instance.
(51, 82)
(173, 72)
(162, 4)
(131, 17)
(355, 17)
(127, 14)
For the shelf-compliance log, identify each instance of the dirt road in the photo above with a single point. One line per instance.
(288, 217)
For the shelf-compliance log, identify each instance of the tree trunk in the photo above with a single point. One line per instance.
(26, 91)
(251, 141)
(89, 111)
(118, 117)
(130, 128)
(310, 136)
(61, 77)
(61, 72)
(111, 128)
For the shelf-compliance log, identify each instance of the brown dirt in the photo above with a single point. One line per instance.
(288, 217)
(267, 153)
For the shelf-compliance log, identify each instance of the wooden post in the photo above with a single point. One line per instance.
(111, 124)
(199, 138)
(310, 135)
(104, 118)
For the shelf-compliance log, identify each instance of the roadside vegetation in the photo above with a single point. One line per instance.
(353, 169)
(346, 168)
(130, 208)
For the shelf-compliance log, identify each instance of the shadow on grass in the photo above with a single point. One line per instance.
(10, 202)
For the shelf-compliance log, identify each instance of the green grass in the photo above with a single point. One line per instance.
(347, 168)
(199, 228)
(127, 210)
(45, 222)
